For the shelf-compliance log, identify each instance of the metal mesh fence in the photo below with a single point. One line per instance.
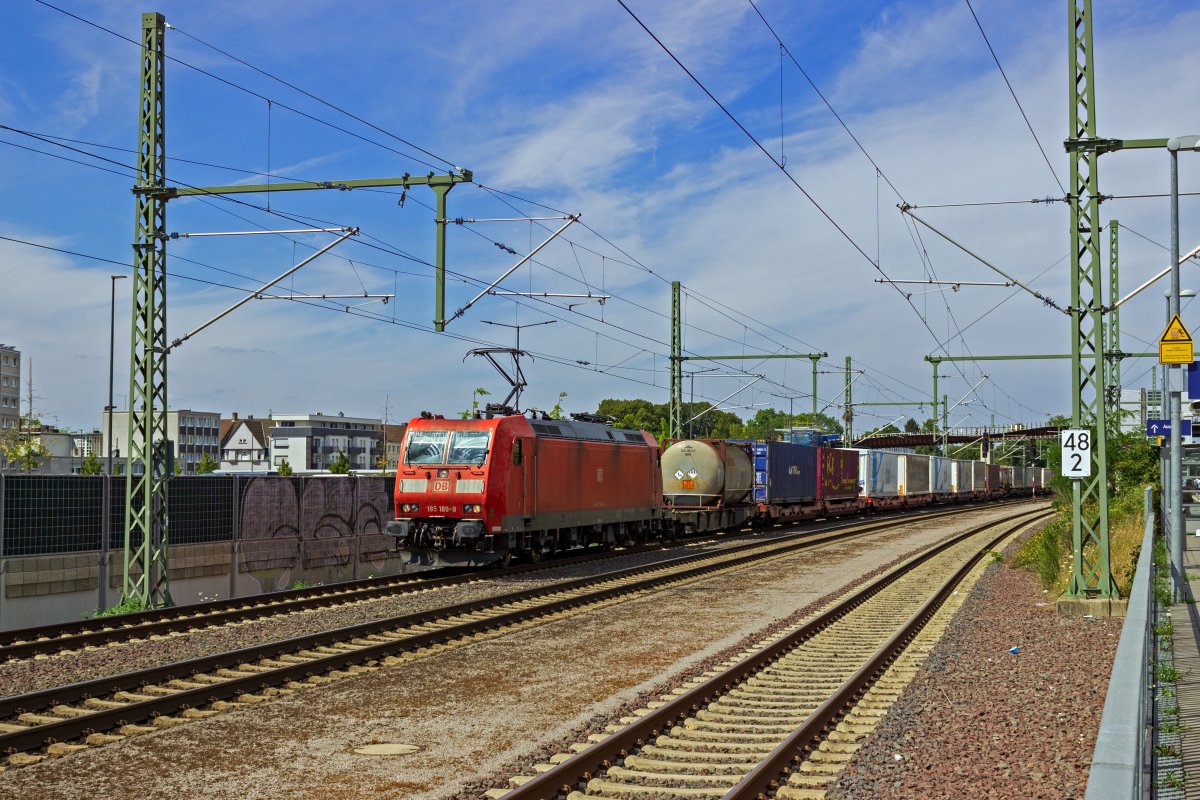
(48, 514)
(200, 509)
(44, 514)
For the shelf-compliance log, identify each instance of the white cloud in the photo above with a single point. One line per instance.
(576, 107)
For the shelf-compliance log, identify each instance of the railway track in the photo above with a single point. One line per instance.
(50, 639)
(784, 718)
(63, 719)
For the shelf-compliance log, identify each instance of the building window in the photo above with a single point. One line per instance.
(281, 442)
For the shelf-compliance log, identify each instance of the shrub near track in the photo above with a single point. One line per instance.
(1132, 465)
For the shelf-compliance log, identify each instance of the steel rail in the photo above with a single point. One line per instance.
(566, 776)
(41, 640)
(765, 777)
(67, 729)
(25, 642)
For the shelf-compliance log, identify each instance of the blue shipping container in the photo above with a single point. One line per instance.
(791, 472)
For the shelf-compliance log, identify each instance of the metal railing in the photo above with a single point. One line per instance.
(1120, 767)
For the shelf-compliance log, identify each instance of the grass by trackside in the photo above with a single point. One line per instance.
(1132, 465)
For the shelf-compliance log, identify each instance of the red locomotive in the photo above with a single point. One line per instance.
(479, 491)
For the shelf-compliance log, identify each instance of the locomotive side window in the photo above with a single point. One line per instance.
(516, 451)
(425, 447)
(469, 447)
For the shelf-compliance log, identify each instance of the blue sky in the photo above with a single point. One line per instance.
(575, 108)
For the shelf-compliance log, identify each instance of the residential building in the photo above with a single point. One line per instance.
(194, 434)
(61, 456)
(10, 387)
(393, 437)
(244, 444)
(312, 441)
(87, 444)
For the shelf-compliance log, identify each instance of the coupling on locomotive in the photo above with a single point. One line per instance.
(473, 492)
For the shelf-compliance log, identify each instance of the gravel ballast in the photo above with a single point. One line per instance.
(477, 711)
(44, 672)
(978, 721)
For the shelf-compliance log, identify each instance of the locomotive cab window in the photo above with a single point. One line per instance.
(469, 447)
(426, 447)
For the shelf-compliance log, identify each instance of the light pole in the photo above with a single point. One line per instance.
(106, 525)
(112, 329)
(1174, 145)
(517, 351)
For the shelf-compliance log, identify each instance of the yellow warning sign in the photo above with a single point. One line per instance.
(1175, 345)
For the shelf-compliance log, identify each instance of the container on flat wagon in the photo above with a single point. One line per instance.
(699, 472)
(784, 472)
(941, 475)
(1006, 477)
(992, 483)
(913, 474)
(961, 476)
(838, 471)
(878, 473)
(1022, 477)
(979, 479)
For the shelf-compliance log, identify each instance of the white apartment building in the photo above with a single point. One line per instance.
(312, 441)
(193, 433)
(87, 444)
(10, 387)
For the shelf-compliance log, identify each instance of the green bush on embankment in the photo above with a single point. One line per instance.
(1132, 465)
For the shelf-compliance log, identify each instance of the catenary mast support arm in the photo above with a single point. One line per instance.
(570, 221)
(264, 287)
(985, 262)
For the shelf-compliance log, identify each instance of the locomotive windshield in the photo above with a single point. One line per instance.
(426, 447)
(429, 447)
(469, 447)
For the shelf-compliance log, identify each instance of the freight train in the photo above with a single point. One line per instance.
(482, 491)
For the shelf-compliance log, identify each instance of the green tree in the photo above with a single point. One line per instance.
(206, 465)
(91, 465)
(340, 464)
(768, 422)
(21, 446)
(285, 469)
(911, 426)
(635, 414)
(638, 414)
(475, 395)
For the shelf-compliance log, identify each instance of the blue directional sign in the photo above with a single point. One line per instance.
(1193, 381)
(1162, 427)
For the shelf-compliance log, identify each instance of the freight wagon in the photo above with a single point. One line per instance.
(941, 479)
(707, 485)
(878, 479)
(913, 480)
(798, 481)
